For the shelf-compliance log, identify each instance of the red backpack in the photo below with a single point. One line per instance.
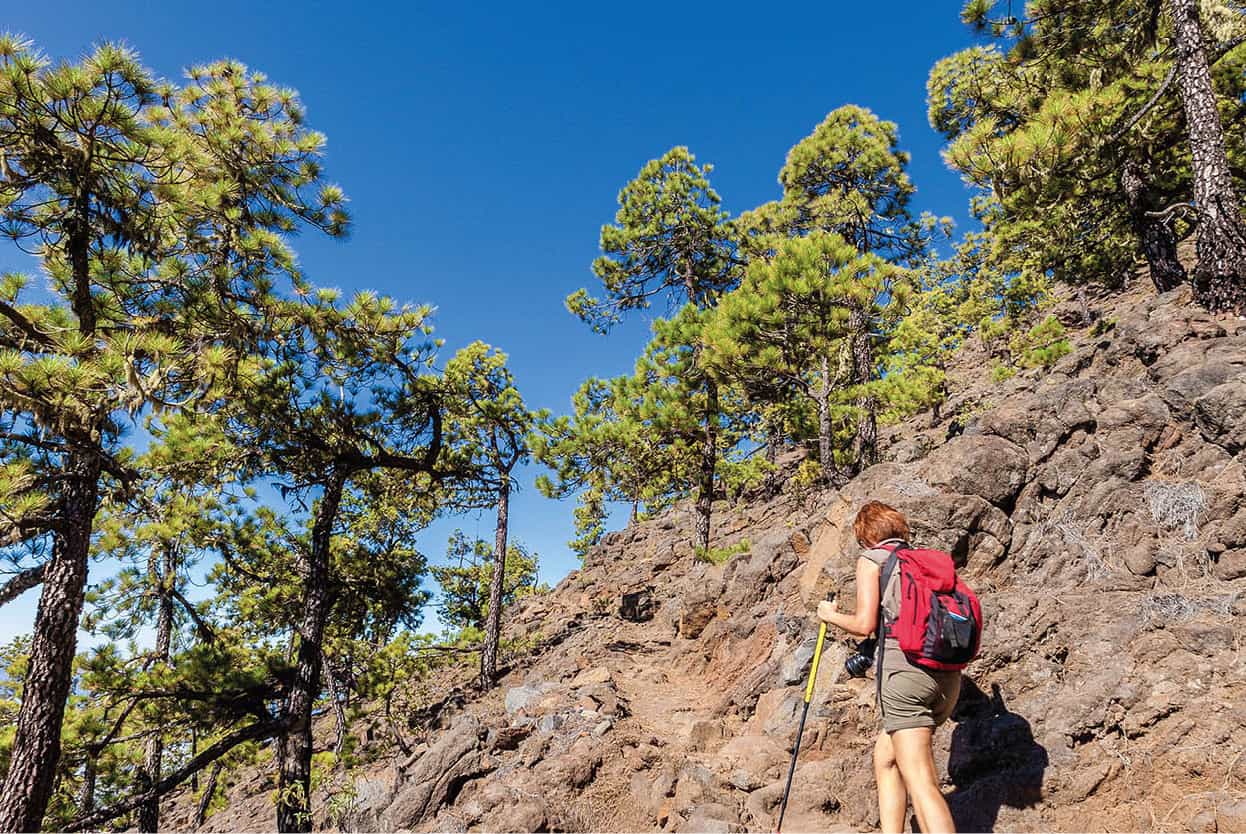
(939, 623)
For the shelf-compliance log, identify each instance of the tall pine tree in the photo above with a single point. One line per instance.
(134, 208)
(489, 425)
(671, 241)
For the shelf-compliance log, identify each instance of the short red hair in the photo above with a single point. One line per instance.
(876, 522)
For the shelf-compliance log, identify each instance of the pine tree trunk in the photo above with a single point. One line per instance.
(709, 462)
(36, 747)
(205, 799)
(393, 724)
(153, 750)
(86, 792)
(865, 447)
(294, 747)
(826, 448)
(773, 435)
(339, 710)
(709, 450)
(1220, 274)
(1159, 239)
(493, 622)
(194, 751)
(773, 441)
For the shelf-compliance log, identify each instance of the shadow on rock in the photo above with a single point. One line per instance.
(994, 761)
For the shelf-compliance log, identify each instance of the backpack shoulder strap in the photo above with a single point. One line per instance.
(889, 569)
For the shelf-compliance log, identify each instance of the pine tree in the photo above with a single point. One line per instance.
(789, 330)
(671, 240)
(674, 398)
(348, 392)
(1074, 129)
(164, 530)
(489, 425)
(126, 190)
(603, 454)
(849, 177)
(467, 578)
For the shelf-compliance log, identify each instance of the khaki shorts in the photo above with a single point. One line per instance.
(917, 698)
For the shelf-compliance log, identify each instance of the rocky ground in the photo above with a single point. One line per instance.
(1099, 510)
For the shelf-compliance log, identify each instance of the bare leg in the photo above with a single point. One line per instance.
(892, 798)
(915, 759)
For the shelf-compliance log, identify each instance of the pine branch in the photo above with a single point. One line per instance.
(206, 634)
(24, 324)
(1223, 50)
(21, 583)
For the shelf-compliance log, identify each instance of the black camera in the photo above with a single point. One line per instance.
(862, 658)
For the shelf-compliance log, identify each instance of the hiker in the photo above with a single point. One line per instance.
(913, 699)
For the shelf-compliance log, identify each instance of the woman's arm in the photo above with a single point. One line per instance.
(864, 620)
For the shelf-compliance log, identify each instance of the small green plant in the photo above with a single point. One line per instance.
(520, 646)
(719, 555)
(1042, 345)
(807, 479)
(340, 805)
(1002, 372)
(1102, 327)
(971, 409)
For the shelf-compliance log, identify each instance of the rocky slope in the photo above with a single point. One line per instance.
(1100, 511)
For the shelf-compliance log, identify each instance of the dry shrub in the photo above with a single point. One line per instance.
(1177, 505)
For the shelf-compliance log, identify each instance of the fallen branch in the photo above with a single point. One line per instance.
(253, 732)
(449, 649)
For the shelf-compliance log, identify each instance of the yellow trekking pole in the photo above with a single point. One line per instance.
(813, 677)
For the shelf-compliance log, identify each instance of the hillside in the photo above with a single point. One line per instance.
(1099, 509)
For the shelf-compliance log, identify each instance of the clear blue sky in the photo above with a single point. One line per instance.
(483, 144)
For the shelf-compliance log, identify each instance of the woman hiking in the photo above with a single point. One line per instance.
(914, 699)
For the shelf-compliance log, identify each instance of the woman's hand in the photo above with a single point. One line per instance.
(863, 622)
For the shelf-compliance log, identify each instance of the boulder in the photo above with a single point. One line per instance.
(1220, 415)
(711, 818)
(589, 677)
(507, 738)
(706, 734)
(522, 697)
(694, 617)
(1230, 565)
(637, 606)
(524, 814)
(795, 666)
(1140, 559)
(694, 785)
(811, 804)
(984, 465)
(751, 761)
(783, 721)
(576, 767)
(455, 757)
(1136, 422)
